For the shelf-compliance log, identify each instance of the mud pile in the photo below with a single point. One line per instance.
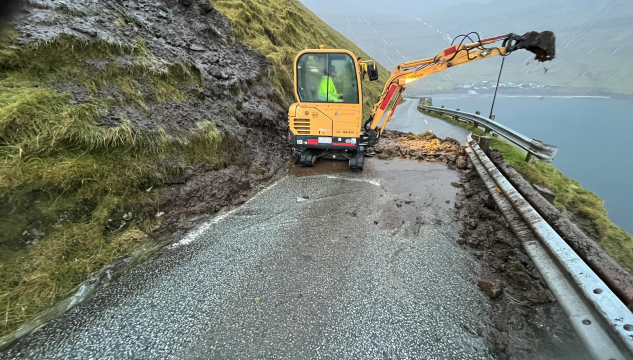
(527, 322)
(425, 146)
(234, 91)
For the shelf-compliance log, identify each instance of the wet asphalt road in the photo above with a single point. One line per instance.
(341, 266)
(407, 118)
(330, 266)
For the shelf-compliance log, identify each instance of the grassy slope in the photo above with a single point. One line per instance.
(64, 176)
(280, 29)
(585, 207)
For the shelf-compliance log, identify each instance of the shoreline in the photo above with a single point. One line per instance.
(505, 93)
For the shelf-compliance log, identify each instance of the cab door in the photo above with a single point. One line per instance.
(328, 80)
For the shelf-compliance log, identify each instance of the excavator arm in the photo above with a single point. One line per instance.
(541, 44)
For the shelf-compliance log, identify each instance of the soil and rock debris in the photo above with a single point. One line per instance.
(526, 321)
(425, 146)
(235, 93)
(612, 273)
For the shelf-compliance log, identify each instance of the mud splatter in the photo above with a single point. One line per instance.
(526, 321)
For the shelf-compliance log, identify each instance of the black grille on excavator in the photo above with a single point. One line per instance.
(302, 126)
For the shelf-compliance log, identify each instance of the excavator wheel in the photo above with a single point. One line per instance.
(358, 159)
(307, 159)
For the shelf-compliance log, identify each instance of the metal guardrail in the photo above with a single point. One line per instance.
(602, 321)
(534, 148)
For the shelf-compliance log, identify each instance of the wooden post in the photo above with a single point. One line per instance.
(492, 117)
(478, 112)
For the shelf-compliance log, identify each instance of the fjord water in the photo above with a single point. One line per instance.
(593, 135)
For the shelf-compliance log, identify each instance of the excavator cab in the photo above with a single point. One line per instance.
(326, 120)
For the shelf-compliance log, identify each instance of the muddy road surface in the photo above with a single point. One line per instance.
(322, 266)
(407, 118)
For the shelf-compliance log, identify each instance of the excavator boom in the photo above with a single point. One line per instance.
(541, 44)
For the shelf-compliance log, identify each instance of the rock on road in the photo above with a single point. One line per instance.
(332, 266)
(407, 118)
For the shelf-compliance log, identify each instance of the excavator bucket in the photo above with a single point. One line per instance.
(542, 44)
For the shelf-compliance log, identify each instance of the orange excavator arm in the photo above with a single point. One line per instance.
(542, 44)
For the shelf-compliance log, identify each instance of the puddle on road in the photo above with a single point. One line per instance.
(399, 176)
(418, 178)
(322, 167)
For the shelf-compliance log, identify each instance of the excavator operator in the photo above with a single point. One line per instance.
(327, 90)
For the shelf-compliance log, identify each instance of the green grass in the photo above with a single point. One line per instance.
(584, 207)
(65, 176)
(279, 29)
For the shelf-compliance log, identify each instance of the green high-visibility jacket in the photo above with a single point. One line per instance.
(327, 91)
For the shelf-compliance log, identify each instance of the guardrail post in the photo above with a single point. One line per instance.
(478, 112)
(492, 117)
(530, 158)
(484, 144)
(442, 106)
(487, 130)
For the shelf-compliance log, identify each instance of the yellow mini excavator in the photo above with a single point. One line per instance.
(326, 122)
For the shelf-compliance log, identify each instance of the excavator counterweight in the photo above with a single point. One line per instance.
(326, 121)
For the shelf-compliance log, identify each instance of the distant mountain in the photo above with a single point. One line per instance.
(380, 7)
(593, 39)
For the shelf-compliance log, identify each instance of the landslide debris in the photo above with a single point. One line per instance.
(118, 118)
(526, 321)
(425, 146)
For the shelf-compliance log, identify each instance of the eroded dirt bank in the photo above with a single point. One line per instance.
(233, 90)
(527, 322)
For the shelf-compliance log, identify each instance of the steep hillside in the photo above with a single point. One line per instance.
(280, 29)
(121, 120)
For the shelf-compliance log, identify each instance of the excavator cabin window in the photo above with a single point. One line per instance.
(323, 77)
